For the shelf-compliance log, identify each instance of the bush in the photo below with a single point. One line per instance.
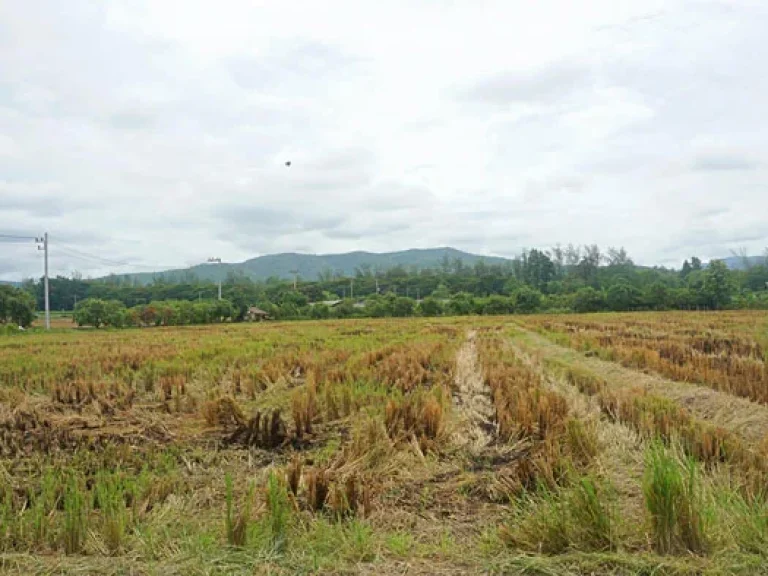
(497, 305)
(431, 307)
(16, 306)
(526, 300)
(588, 300)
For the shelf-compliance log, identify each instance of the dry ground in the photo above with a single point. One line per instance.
(407, 411)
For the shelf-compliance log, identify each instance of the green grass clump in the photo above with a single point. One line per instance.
(238, 523)
(75, 516)
(673, 499)
(278, 511)
(581, 517)
(109, 496)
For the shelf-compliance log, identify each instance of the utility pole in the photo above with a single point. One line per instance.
(217, 261)
(351, 287)
(295, 278)
(42, 244)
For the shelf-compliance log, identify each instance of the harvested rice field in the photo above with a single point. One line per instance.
(574, 444)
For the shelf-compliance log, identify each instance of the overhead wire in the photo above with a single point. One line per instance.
(87, 256)
(17, 237)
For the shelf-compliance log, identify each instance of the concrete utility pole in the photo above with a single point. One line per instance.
(42, 244)
(217, 261)
(351, 287)
(295, 278)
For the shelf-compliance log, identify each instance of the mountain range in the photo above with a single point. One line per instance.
(312, 266)
(742, 263)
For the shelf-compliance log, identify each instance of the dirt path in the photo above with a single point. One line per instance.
(739, 415)
(473, 399)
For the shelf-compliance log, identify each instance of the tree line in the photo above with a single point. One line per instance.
(573, 279)
(113, 313)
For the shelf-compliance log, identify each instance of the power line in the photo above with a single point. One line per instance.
(74, 251)
(17, 237)
(78, 256)
(82, 255)
(93, 258)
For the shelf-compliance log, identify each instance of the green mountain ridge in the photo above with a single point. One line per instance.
(313, 266)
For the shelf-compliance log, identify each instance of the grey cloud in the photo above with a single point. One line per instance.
(357, 232)
(39, 198)
(168, 147)
(530, 86)
(259, 220)
(715, 241)
(718, 162)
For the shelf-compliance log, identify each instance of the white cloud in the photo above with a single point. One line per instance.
(156, 132)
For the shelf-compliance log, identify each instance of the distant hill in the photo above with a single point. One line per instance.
(738, 263)
(312, 266)
(9, 283)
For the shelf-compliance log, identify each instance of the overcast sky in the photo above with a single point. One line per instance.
(155, 133)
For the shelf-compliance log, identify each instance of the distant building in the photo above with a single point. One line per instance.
(255, 314)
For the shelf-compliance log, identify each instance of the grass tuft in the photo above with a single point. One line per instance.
(673, 500)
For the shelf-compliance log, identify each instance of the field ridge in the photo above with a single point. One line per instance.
(737, 414)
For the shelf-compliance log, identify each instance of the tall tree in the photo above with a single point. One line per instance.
(695, 263)
(717, 286)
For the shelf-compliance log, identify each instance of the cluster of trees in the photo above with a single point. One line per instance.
(580, 279)
(16, 306)
(113, 313)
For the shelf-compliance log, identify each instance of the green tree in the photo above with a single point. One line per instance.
(695, 264)
(441, 292)
(656, 296)
(685, 270)
(320, 311)
(461, 304)
(623, 296)
(344, 309)
(115, 314)
(431, 306)
(17, 306)
(223, 310)
(717, 286)
(526, 300)
(90, 312)
(21, 309)
(496, 305)
(403, 306)
(588, 300)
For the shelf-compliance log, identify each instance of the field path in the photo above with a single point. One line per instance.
(739, 415)
(620, 459)
(473, 398)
